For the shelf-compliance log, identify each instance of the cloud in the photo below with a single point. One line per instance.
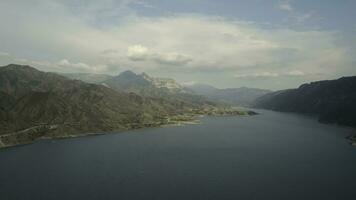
(142, 53)
(108, 52)
(108, 37)
(66, 63)
(171, 58)
(4, 54)
(294, 73)
(296, 17)
(137, 53)
(194, 42)
(257, 75)
(285, 5)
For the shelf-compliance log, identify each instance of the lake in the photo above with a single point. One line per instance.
(268, 156)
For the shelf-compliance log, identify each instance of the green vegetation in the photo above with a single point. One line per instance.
(332, 101)
(35, 104)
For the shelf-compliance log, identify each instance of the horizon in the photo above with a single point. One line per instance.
(185, 99)
(232, 45)
(186, 84)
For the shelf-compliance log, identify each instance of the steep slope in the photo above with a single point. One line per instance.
(147, 86)
(130, 82)
(164, 83)
(49, 105)
(144, 84)
(242, 96)
(333, 101)
(35, 104)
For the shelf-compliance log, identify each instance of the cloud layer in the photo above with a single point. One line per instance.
(71, 39)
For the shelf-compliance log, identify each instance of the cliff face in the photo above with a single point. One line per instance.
(146, 86)
(333, 101)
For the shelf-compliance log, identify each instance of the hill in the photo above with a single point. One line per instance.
(242, 96)
(333, 101)
(36, 104)
(145, 85)
(60, 107)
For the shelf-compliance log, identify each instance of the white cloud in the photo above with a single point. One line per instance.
(66, 63)
(171, 59)
(296, 17)
(257, 75)
(137, 52)
(142, 53)
(79, 66)
(295, 73)
(196, 43)
(4, 54)
(285, 5)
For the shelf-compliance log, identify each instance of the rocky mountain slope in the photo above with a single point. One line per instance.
(31, 98)
(144, 85)
(35, 104)
(333, 101)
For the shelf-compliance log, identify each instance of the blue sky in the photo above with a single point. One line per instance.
(274, 44)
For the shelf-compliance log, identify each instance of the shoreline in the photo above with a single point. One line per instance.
(41, 131)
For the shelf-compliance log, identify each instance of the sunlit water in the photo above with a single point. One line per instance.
(268, 156)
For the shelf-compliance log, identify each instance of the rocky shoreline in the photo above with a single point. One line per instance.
(46, 131)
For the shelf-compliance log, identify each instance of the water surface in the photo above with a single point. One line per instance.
(269, 156)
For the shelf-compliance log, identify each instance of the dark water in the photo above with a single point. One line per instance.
(269, 156)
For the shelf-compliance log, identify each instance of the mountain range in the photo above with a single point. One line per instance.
(332, 101)
(143, 84)
(242, 96)
(36, 104)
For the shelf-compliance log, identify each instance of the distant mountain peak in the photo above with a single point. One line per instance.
(128, 73)
(237, 96)
(19, 67)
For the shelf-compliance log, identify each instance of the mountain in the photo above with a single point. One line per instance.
(36, 104)
(203, 89)
(242, 96)
(144, 84)
(141, 84)
(87, 77)
(165, 83)
(333, 101)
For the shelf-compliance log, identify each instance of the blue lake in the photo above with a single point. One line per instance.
(268, 156)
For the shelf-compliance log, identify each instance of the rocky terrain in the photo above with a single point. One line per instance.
(35, 104)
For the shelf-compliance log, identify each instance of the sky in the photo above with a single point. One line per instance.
(270, 44)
